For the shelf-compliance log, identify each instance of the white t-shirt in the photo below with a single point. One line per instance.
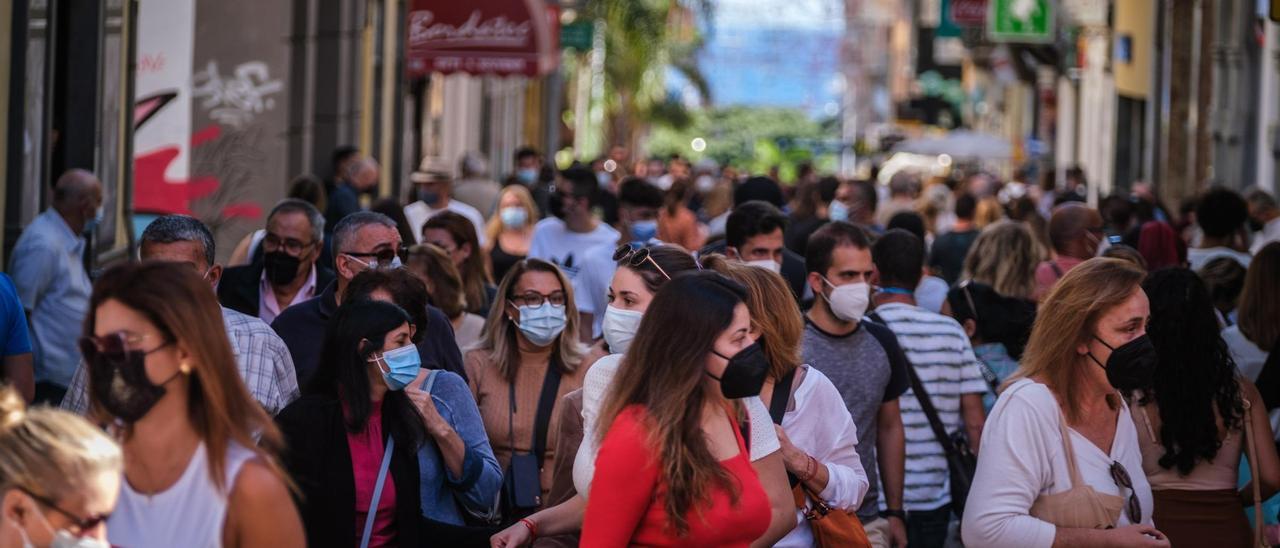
(554, 242)
(595, 385)
(591, 285)
(1023, 457)
(1199, 257)
(418, 213)
(821, 426)
(1248, 357)
(931, 293)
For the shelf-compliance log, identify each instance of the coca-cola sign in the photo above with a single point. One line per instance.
(480, 37)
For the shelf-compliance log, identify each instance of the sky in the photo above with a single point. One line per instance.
(774, 53)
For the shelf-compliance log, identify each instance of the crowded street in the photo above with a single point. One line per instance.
(607, 273)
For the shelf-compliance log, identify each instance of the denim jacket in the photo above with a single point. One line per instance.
(444, 496)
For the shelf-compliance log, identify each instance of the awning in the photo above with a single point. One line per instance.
(500, 37)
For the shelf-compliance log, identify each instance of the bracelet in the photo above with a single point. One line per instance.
(810, 469)
(531, 526)
(894, 514)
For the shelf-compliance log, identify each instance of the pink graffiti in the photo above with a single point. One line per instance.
(155, 193)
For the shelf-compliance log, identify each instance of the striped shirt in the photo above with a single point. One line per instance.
(939, 350)
(261, 356)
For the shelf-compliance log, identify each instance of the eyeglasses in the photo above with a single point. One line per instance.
(383, 257)
(535, 299)
(78, 525)
(636, 257)
(1132, 507)
(114, 347)
(271, 242)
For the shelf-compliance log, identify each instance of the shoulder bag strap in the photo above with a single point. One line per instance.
(377, 492)
(922, 396)
(778, 405)
(1252, 446)
(546, 402)
(430, 381)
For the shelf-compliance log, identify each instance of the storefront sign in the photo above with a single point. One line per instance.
(501, 37)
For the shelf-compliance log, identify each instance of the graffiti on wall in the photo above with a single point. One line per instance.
(235, 99)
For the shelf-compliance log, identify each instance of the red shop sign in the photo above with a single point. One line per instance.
(501, 37)
(969, 13)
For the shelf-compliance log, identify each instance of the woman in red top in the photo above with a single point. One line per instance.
(672, 469)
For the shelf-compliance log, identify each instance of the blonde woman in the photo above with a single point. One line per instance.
(59, 477)
(510, 230)
(1004, 257)
(1061, 463)
(527, 359)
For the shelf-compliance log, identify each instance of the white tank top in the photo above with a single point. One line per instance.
(190, 513)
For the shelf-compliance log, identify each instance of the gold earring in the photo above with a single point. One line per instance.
(185, 368)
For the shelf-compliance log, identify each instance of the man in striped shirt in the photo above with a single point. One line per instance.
(938, 349)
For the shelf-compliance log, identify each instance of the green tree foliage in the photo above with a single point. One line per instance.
(753, 139)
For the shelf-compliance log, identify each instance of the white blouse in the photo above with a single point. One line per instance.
(821, 426)
(595, 385)
(1022, 457)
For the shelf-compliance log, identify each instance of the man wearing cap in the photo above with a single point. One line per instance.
(433, 189)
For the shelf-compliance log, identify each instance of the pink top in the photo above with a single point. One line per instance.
(366, 459)
(1047, 275)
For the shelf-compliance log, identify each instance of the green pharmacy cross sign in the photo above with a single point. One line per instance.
(1020, 21)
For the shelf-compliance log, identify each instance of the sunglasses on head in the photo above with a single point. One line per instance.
(635, 257)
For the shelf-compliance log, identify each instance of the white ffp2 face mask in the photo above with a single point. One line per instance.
(767, 264)
(620, 327)
(849, 301)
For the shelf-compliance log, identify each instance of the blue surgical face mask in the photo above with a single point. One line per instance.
(428, 197)
(643, 231)
(541, 324)
(838, 211)
(527, 176)
(513, 217)
(402, 365)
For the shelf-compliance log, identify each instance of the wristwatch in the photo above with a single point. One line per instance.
(894, 514)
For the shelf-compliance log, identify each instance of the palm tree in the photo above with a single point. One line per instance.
(643, 38)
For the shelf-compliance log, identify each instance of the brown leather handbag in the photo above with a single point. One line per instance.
(831, 527)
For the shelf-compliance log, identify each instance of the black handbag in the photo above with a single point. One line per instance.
(522, 482)
(961, 462)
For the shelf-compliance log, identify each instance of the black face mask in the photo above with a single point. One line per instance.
(1132, 365)
(281, 267)
(745, 374)
(1256, 225)
(122, 386)
(556, 205)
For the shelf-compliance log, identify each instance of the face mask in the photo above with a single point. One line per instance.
(1132, 365)
(838, 211)
(280, 267)
(513, 217)
(541, 324)
(745, 374)
(604, 178)
(1256, 225)
(849, 301)
(122, 387)
(643, 231)
(402, 366)
(767, 264)
(91, 225)
(556, 206)
(705, 184)
(61, 538)
(428, 197)
(527, 176)
(620, 328)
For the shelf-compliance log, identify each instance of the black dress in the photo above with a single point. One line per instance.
(502, 261)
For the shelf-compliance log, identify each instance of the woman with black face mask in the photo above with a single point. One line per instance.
(1061, 464)
(200, 455)
(1197, 419)
(673, 467)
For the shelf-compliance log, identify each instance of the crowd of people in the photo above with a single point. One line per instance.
(649, 353)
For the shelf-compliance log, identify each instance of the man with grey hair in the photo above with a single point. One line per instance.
(475, 187)
(361, 241)
(288, 273)
(49, 274)
(261, 357)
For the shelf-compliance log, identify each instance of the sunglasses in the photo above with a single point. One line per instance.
(382, 257)
(1132, 508)
(78, 525)
(635, 257)
(114, 347)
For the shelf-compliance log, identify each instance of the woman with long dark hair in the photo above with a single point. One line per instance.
(672, 466)
(457, 236)
(339, 435)
(1191, 422)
